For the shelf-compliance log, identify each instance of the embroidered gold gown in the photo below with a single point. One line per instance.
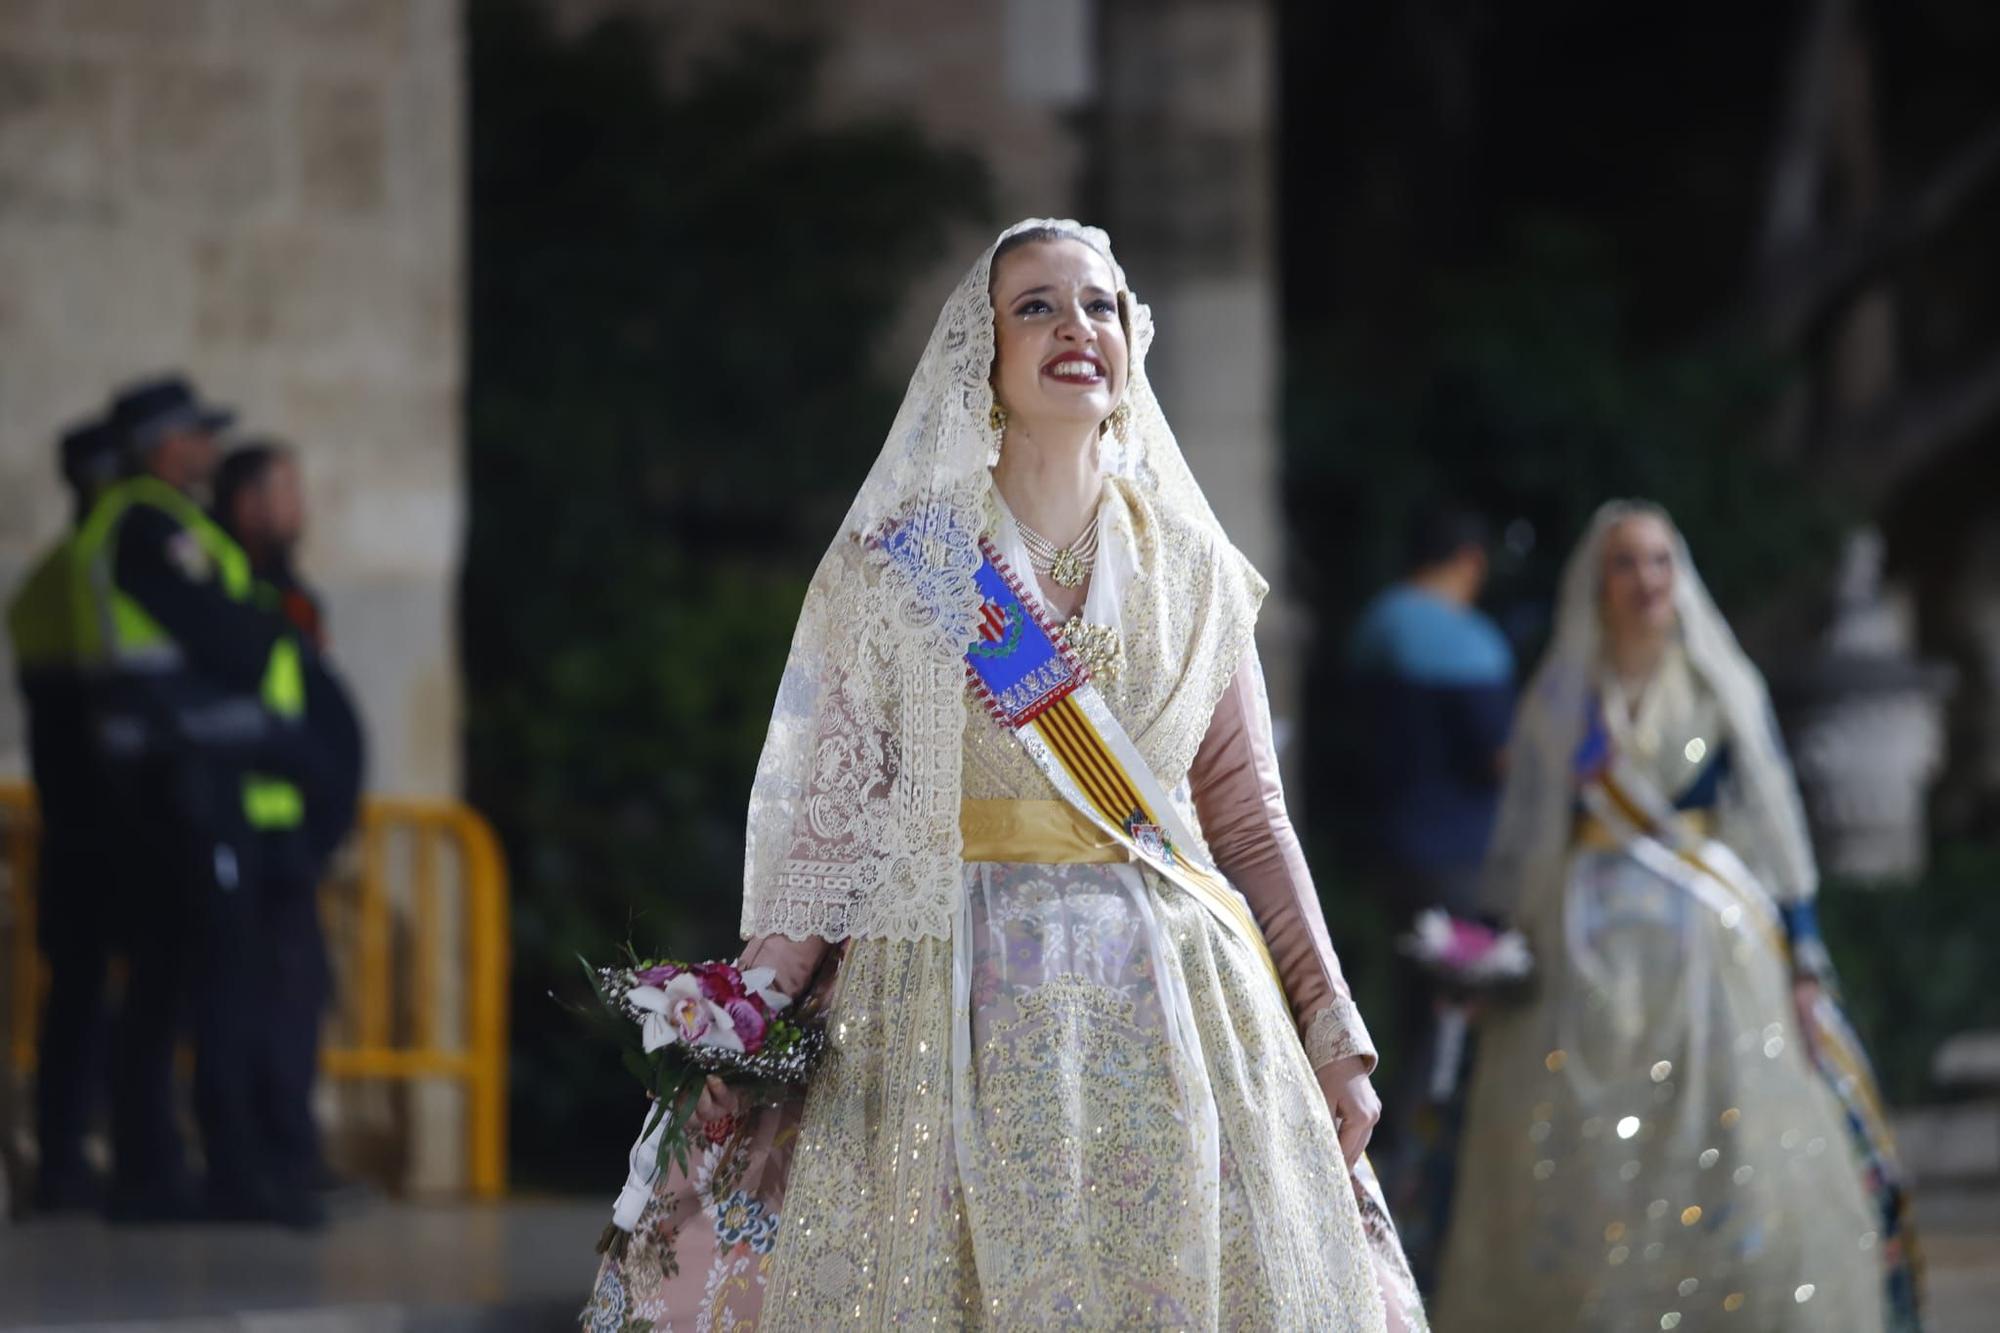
(1646, 1144)
(1090, 1107)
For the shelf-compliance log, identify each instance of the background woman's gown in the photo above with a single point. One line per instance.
(1647, 1145)
(1091, 1107)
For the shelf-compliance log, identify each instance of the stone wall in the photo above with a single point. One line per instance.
(1188, 186)
(268, 195)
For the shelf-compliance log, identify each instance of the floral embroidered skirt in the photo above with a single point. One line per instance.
(1090, 1109)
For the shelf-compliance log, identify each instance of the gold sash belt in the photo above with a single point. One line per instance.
(1053, 833)
(1034, 833)
(1592, 835)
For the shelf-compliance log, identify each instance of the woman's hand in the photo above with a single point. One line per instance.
(794, 961)
(1351, 1098)
(718, 1104)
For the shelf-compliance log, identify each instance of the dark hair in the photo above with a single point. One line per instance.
(1440, 531)
(1028, 236)
(241, 469)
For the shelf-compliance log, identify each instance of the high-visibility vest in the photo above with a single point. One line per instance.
(41, 617)
(113, 633)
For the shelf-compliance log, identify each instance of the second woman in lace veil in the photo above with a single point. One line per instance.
(1679, 1131)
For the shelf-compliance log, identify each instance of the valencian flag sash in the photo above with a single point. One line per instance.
(1038, 690)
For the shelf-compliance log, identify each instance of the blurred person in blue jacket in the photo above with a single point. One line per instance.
(1433, 679)
(1437, 680)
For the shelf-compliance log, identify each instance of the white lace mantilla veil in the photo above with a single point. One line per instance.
(853, 825)
(1761, 814)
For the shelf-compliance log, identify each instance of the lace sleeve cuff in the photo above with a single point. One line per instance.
(1336, 1033)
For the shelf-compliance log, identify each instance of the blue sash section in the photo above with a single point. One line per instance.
(1809, 955)
(1593, 750)
(1016, 666)
(1801, 922)
(1706, 790)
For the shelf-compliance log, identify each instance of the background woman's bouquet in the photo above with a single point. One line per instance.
(1470, 963)
(682, 1022)
(1466, 957)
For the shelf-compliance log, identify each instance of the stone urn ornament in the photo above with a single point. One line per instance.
(1865, 720)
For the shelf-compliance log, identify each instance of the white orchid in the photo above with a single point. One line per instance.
(673, 1013)
(757, 981)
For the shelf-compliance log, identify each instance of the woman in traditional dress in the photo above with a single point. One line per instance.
(1680, 1130)
(1020, 742)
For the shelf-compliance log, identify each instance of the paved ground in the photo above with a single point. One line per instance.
(1961, 1236)
(409, 1268)
(391, 1267)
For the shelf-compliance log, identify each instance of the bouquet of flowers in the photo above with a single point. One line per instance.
(697, 1019)
(1468, 957)
(1468, 960)
(684, 1022)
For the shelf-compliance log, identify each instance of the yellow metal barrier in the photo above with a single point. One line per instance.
(371, 1035)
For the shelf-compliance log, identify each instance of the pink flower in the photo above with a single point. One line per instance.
(720, 982)
(657, 975)
(751, 1022)
(1470, 951)
(1470, 942)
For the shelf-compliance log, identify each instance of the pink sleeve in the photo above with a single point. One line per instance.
(1241, 802)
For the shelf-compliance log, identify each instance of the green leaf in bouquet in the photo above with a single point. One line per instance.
(642, 1067)
(674, 1143)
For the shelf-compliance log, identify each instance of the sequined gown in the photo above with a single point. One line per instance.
(1090, 1107)
(1646, 1145)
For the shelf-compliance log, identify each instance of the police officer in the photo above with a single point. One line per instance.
(73, 867)
(198, 695)
(259, 500)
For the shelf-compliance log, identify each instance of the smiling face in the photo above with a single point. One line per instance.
(1638, 588)
(1058, 341)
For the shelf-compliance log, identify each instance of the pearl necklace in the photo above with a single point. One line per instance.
(1068, 566)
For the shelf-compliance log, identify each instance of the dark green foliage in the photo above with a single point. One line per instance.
(1523, 394)
(677, 298)
(1916, 964)
(1526, 396)
(1444, 336)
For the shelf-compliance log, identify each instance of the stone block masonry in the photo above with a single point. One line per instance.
(269, 195)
